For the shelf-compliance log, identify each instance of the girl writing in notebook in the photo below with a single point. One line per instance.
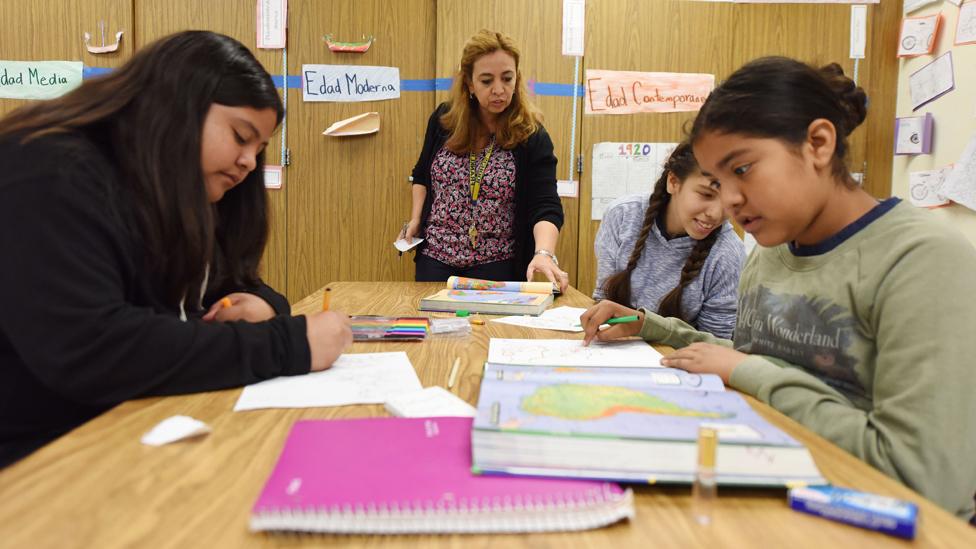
(672, 252)
(484, 187)
(855, 316)
(133, 218)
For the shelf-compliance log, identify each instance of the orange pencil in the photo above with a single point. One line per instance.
(325, 299)
(225, 302)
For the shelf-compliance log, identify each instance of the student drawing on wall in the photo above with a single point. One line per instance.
(484, 188)
(134, 209)
(672, 252)
(855, 315)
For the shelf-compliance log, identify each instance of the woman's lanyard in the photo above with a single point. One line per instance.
(476, 174)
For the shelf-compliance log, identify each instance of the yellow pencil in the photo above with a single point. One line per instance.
(325, 299)
(454, 370)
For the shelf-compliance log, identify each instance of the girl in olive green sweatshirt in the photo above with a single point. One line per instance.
(857, 318)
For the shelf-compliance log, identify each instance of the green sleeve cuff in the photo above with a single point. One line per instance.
(655, 327)
(750, 374)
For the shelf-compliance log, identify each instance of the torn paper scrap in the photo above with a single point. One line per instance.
(173, 429)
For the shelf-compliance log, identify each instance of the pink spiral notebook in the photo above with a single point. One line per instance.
(413, 475)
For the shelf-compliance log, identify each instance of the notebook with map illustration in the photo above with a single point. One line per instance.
(629, 424)
(490, 297)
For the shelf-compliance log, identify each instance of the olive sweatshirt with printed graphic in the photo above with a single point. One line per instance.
(869, 339)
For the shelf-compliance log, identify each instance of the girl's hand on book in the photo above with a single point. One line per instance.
(706, 358)
(239, 306)
(603, 311)
(329, 333)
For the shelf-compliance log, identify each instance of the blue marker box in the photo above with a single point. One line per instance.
(882, 514)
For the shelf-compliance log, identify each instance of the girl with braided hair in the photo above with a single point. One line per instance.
(855, 315)
(672, 252)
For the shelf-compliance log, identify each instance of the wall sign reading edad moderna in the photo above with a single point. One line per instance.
(625, 92)
(349, 83)
(38, 79)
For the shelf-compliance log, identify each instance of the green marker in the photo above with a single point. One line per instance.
(623, 319)
(616, 320)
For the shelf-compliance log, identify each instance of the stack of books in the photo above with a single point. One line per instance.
(630, 424)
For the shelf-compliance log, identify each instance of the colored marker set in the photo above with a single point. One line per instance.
(388, 328)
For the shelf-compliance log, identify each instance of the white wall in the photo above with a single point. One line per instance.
(954, 115)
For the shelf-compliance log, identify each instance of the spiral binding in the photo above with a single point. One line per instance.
(515, 514)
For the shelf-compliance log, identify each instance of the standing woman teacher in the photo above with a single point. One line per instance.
(484, 188)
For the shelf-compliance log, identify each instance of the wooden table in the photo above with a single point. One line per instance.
(100, 487)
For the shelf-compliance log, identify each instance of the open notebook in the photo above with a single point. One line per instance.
(413, 475)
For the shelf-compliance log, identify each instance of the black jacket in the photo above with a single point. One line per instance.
(535, 185)
(81, 329)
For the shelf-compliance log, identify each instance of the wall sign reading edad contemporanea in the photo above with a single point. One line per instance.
(625, 92)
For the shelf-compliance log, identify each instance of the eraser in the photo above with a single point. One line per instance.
(882, 514)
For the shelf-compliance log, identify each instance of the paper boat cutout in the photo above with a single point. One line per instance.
(348, 47)
(363, 124)
(104, 48)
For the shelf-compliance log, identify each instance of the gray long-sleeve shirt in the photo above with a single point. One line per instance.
(708, 301)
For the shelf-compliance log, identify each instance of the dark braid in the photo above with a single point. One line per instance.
(681, 163)
(671, 303)
(617, 287)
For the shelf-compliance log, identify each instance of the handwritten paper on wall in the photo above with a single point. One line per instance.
(272, 18)
(574, 15)
(960, 185)
(621, 169)
(931, 81)
(38, 79)
(966, 25)
(926, 188)
(349, 83)
(918, 35)
(627, 92)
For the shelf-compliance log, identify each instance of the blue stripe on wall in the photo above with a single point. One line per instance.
(423, 85)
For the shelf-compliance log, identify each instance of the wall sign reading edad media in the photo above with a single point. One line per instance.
(38, 79)
(625, 92)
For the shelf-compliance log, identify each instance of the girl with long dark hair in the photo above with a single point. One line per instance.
(672, 252)
(133, 217)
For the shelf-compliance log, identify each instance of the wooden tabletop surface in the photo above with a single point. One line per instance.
(98, 486)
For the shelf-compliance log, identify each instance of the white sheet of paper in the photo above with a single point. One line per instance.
(931, 81)
(926, 188)
(859, 31)
(173, 429)
(574, 20)
(563, 319)
(960, 185)
(917, 35)
(429, 402)
(621, 169)
(567, 188)
(273, 176)
(912, 5)
(403, 246)
(966, 25)
(363, 378)
(571, 352)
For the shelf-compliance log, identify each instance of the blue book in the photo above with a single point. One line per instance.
(626, 424)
